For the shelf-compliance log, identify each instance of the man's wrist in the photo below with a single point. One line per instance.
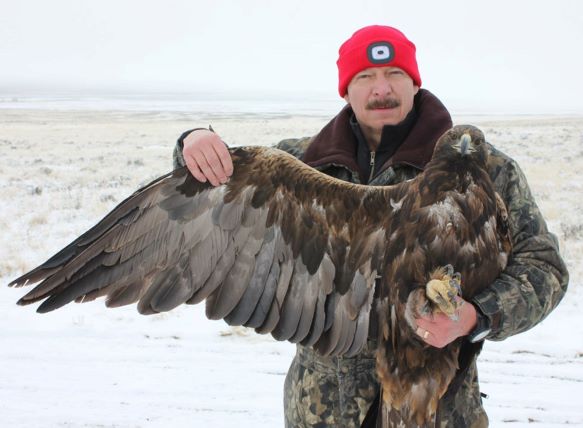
(482, 327)
(469, 316)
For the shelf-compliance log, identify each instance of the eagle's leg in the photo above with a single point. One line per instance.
(444, 289)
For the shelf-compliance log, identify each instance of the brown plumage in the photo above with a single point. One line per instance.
(289, 251)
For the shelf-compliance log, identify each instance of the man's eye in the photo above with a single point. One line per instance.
(363, 76)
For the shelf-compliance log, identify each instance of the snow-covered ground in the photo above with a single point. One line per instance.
(86, 366)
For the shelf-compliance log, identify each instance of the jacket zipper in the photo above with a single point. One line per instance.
(372, 156)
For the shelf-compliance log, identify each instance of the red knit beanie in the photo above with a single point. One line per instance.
(375, 46)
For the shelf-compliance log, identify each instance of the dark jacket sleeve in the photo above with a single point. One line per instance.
(177, 158)
(536, 277)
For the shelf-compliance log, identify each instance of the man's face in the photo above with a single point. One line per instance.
(381, 96)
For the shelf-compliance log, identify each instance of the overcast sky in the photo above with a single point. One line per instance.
(506, 55)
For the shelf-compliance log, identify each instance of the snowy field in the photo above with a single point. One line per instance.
(85, 366)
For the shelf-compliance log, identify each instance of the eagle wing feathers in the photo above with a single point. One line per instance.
(274, 249)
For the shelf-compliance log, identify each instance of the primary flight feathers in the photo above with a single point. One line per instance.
(287, 250)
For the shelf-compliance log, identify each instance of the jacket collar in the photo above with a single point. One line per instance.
(337, 144)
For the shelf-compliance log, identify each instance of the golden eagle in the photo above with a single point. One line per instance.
(287, 250)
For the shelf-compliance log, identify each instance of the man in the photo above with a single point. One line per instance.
(385, 135)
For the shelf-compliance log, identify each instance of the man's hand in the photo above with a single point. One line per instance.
(439, 330)
(207, 157)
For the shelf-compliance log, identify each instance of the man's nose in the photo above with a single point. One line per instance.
(382, 87)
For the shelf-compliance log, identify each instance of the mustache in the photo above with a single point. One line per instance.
(383, 103)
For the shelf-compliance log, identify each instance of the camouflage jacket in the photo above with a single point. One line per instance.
(530, 287)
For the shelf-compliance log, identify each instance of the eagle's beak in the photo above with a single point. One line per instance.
(466, 145)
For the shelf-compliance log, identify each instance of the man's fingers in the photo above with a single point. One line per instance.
(224, 157)
(441, 330)
(425, 323)
(207, 170)
(194, 169)
(212, 161)
(200, 169)
(421, 332)
(207, 157)
(431, 338)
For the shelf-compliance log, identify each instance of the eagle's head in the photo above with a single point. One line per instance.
(462, 143)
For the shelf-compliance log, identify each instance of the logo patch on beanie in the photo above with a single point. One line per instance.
(380, 52)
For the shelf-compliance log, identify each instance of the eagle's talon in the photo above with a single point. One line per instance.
(443, 289)
(455, 283)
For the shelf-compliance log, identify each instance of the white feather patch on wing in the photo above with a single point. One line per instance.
(397, 205)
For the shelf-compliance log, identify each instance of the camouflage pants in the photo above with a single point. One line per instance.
(464, 408)
(337, 392)
(329, 392)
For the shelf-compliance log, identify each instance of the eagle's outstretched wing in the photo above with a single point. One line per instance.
(280, 248)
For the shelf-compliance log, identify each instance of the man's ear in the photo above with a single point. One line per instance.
(347, 98)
